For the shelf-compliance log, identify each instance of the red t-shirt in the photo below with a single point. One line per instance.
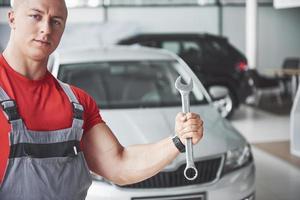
(42, 104)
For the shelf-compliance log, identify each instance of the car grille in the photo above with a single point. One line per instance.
(207, 172)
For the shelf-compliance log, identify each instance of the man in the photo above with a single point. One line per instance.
(44, 120)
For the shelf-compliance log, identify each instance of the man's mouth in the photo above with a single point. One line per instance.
(43, 42)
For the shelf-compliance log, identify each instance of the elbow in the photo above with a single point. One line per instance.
(120, 181)
(116, 180)
(123, 179)
(127, 179)
(116, 174)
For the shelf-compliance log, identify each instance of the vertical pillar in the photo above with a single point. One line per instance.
(295, 125)
(106, 4)
(220, 13)
(251, 33)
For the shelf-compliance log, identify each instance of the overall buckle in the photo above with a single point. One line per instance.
(77, 110)
(10, 109)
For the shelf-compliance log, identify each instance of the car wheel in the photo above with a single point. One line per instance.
(223, 99)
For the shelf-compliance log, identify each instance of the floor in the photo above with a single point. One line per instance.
(281, 150)
(277, 171)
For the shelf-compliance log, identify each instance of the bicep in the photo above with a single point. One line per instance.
(102, 150)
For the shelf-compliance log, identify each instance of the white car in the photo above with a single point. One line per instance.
(134, 88)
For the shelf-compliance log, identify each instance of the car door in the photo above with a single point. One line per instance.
(216, 58)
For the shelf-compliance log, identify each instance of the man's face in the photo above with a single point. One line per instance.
(38, 26)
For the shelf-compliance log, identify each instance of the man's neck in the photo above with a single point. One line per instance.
(30, 68)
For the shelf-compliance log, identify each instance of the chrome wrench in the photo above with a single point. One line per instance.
(190, 171)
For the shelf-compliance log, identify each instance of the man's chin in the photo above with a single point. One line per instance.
(39, 55)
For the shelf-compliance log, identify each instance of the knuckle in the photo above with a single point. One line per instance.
(189, 123)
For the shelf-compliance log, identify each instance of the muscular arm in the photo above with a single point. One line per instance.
(108, 158)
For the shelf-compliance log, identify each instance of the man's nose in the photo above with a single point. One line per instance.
(46, 27)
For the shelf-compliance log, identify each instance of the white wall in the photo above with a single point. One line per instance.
(278, 33)
(75, 15)
(3, 15)
(4, 29)
(88, 15)
(169, 19)
(286, 3)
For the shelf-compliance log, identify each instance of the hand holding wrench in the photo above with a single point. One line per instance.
(190, 171)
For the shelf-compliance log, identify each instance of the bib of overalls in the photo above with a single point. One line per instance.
(45, 165)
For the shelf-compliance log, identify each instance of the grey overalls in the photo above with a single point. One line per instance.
(45, 165)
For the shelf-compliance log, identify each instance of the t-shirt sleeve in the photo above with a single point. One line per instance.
(91, 114)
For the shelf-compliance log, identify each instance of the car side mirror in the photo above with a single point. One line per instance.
(218, 92)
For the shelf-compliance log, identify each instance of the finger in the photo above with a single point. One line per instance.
(196, 136)
(190, 136)
(199, 134)
(189, 132)
(181, 117)
(193, 122)
(190, 128)
(191, 115)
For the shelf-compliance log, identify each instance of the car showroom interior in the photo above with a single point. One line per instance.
(239, 63)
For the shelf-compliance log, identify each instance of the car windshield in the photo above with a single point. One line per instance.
(128, 84)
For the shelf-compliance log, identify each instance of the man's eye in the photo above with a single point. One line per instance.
(37, 17)
(56, 22)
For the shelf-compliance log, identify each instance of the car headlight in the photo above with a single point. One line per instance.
(237, 158)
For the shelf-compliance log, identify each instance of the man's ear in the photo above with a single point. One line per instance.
(11, 19)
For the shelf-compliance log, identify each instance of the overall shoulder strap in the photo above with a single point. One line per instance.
(10, 110)
(9, 106)
(77, 107)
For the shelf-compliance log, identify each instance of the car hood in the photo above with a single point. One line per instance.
(148, 125)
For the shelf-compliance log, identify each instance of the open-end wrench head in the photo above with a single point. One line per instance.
(183, 87)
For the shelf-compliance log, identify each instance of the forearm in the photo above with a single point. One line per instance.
(140, 162)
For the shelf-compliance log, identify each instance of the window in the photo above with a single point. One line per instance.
(192, 54)
(188, 50)
(217, 48)
(173, 46)
(182, 47)
(149, 43)
(4, 3)
(191, 46)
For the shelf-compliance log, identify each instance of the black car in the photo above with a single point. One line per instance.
(220, 66)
